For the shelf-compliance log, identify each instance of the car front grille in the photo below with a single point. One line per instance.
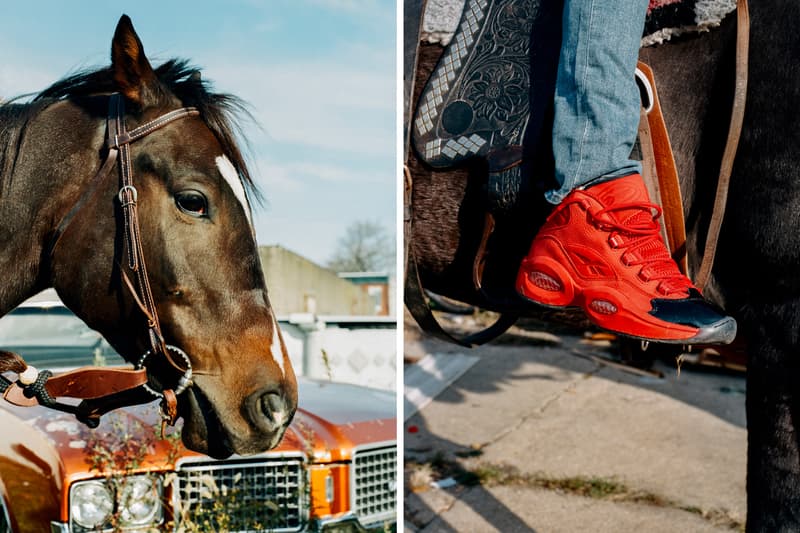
(375, 482)
(239, 496)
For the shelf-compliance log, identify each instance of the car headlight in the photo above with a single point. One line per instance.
(91, 504)
(135, 500)
(140, 501)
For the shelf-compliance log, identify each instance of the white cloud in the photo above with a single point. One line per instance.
(363, 9)
(279, 177)
(334, 174)
(329, 106)
(353, 6)
(298, 176)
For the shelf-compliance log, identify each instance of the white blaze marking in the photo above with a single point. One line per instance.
(228, 172)
(277, 347)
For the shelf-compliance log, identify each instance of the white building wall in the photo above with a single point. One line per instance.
(358, 350)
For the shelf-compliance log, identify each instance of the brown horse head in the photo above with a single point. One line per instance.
(196, 234)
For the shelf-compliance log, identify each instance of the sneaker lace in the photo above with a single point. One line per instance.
(636, 229)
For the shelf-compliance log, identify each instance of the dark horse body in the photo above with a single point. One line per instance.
(197, 239)
(756, 274)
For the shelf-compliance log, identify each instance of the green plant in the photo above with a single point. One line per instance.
(122, 449)
(224, 508)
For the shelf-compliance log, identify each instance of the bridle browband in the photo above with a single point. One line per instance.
(100, 388)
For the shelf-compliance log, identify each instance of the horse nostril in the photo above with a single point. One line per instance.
(273, 407)
(270, 411)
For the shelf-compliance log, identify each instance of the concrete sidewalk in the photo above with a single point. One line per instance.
(540, 439)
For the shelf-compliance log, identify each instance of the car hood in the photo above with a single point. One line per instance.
(331, 420)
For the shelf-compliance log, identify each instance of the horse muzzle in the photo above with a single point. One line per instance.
(270, 411)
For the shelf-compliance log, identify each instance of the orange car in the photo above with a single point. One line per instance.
(335, 470)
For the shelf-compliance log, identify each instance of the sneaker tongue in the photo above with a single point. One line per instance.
(646, 247)
(626, 190)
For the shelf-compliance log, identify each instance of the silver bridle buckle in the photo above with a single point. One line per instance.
(134, 195)
(185, 380)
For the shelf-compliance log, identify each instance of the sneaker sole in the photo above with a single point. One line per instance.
(720, 332)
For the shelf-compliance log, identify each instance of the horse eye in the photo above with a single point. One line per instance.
(192, 203)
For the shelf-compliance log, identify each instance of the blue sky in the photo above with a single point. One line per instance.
(320, 76)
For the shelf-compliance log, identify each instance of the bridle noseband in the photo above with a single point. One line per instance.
(42, 387)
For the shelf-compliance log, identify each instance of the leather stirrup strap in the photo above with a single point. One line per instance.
(658, 160)
(408, 213)
(420, 309)
(479, 263)
(649, 172)
(734, 132)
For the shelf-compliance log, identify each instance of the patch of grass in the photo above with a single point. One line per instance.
(589, 487)
(500, 474)
(492, 474)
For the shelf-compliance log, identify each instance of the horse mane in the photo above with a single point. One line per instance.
(220, 112)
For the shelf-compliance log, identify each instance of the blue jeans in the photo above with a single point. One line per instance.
(596, 100)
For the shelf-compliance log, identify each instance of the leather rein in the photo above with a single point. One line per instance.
(99, 388)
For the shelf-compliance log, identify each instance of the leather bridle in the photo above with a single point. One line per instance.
(99, 388)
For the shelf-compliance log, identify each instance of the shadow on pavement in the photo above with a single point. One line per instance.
(482, 393)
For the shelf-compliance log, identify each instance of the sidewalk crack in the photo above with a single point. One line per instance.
(543, 407)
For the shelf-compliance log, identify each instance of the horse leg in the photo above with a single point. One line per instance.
(773, 419)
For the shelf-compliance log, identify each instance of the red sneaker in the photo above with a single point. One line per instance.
(601, 250)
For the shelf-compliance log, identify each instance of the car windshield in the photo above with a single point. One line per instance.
(53, 337)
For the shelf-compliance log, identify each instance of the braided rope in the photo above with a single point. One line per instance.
(38, 390)
(5, 383)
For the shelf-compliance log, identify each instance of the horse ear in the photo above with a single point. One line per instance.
(131, 69)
